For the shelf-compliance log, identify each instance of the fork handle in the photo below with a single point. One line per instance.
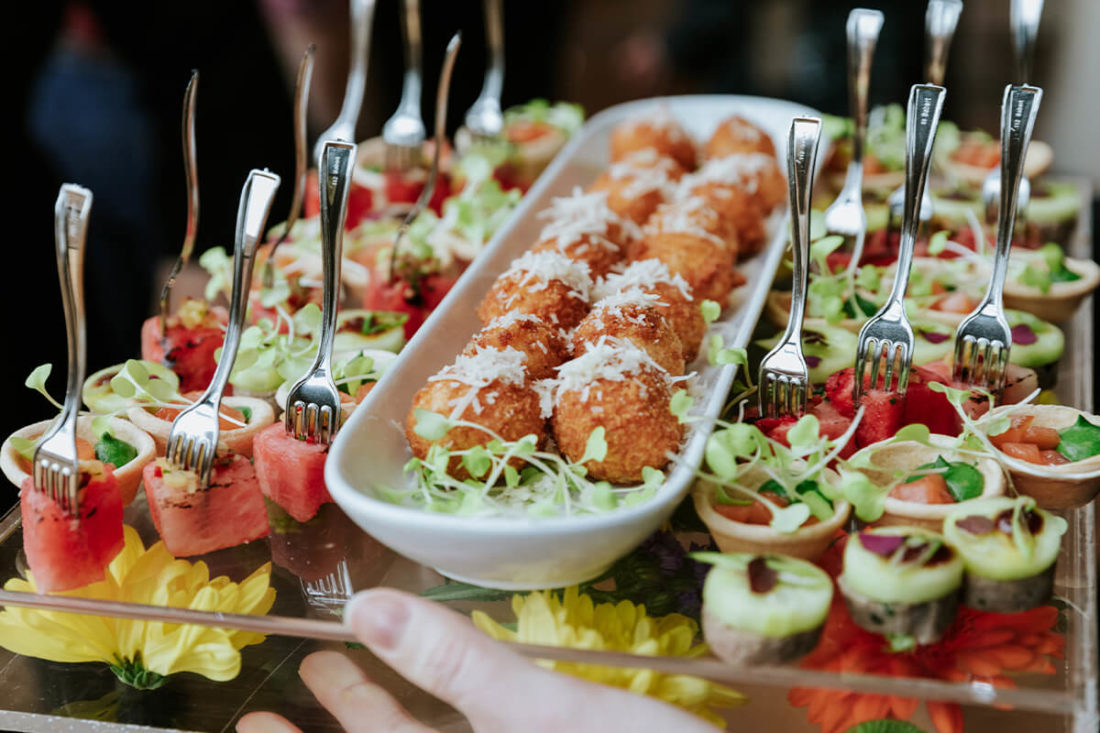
(191, 177)
(801, 158)
(256, 198)
(940, 21)
(494, 42)
(1024, 15)
(362, 14)
(410, 28)
(74, 203)
(863, 28)
(334, 179)
(1019, 107)
(922, 119)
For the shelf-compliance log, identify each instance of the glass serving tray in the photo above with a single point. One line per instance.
(318, 565)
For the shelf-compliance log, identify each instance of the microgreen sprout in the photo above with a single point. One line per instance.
(511, 477)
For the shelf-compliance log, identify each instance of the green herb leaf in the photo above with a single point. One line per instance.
(710, 310)
(23, 446)
(1080, 440)
(430, 425)
(595, 449)
(804, 436)
(36, 380)
(680, 404)
(937, 243)
(117, 452)
(868, 499)
(963, 480)
(724, 448)
(790, 518)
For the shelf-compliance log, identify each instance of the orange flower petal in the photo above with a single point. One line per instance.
(1010, 657)
(903, 708)
(976, 664)
(946, 716)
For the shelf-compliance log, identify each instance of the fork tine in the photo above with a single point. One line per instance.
(876, 361)
(904, 367)
(889, 353)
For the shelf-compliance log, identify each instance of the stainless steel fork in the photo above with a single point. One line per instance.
(940, 20)
(362, 14)
(845, 216)
(313, 403)
(887, 337)
(404, 133)
(301, 163)
(193, 440)
(443, 92)
(56, 467)
(191, 174)
(984, 339)
(784, 380)
(485, 119)
(1024, 16)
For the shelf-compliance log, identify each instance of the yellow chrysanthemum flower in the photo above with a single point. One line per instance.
(574, 621)
(144, 653)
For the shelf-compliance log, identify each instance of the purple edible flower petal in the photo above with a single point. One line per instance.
(933, 337)
(1023, 335)
(976, 524)
(761, 577)
(813, 361)
(884, 545)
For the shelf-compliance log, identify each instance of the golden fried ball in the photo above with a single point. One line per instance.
(543, 344)
(738, 210)
(641, 323)
(691, 215)
(510, 410)
(708, 267)
(599, 252)
(546, 285)
(639, 428)
(660, 132)
(736, 135)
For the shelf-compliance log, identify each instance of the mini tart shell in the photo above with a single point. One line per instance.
(738, 646)
(128, 476)
(1039, 157)
(908, 455)
(1054, 487)
(238, 440)
(1062, 300)
(807, 542)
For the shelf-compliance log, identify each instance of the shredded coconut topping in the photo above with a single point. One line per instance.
(641, 274)
(536, 269)
(744, 129)
(608, 358)
(572, 217)
(643, 179)
(544, 388)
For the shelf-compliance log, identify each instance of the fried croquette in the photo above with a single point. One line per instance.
(688, 214)
(637, 317)
(618, 387)
(660, 131)
(743, 189)
(708, 267)
(488, 388)
(548, 285)
(635, 191)
(736, 135)
(585, 229)
(542, 343)
(679, 307)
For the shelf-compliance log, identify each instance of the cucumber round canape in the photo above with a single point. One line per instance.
(1036, 344)
(1053, 208)
(901, 581)
(1009, 547)
(763, 609)
(101, 398)
(827, 348)
(358, 329)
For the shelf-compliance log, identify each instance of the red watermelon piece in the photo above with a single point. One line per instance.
(834, 425)
(838, 391)
(189, 352)
(360, 201)
(400, 297)
(882, 417)
(66, 552)
(228, 513)
(291, 472)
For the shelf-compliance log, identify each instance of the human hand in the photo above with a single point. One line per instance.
(444, 654)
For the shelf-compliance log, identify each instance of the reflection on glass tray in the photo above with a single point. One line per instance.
(1043, 660)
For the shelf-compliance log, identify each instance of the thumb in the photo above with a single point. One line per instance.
(439, 650)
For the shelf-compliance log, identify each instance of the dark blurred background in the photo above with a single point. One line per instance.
(99, 85)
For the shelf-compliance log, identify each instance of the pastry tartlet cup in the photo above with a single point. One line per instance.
(906, 456)
(1066, 486)
(238, 440)
(128, 476)
(808, 542)
(1062, 300)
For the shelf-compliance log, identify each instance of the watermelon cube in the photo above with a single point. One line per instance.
(65, 551)
(291, 472)
(882, 416)
(194, 521)
(189, 352)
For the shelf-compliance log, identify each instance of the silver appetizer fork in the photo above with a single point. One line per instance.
(193, 440)
(442, 94)
(1024, 16)
(191, 174)
(887, 337)
(301, 164)
(845, 216)
(404, 133)
(784, 380)
(56, 467)
(362, 14)
(940, 20)
(313, 403)
(984, 339)
(485, 119)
